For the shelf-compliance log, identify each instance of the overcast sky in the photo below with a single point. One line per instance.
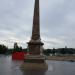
(57, 22)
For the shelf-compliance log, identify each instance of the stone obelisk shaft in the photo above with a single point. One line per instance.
(35, 43)
(36, 22)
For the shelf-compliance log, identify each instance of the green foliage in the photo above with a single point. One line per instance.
(59, 51)
(47, 52)
(17, 48)
(3, 49)
(9, 51)
(24, 50)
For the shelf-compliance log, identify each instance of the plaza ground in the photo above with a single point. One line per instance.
(62, 58)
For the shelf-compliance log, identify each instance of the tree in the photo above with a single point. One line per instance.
(17, 48)
(3, 49)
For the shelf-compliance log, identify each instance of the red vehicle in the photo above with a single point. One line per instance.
(18, 55)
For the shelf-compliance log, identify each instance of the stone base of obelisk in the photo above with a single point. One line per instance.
(34, 62)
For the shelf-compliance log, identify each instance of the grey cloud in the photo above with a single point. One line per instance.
(57, 20)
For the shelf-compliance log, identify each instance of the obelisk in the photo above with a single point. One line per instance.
(35, 60)
(35, 44)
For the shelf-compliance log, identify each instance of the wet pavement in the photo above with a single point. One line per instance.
(12, 67)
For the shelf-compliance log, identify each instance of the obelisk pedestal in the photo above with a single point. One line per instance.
(35, 60)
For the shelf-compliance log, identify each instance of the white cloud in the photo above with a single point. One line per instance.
(57, 20)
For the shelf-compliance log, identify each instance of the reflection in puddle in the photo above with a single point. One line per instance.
(33, 73)
(50, 68)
